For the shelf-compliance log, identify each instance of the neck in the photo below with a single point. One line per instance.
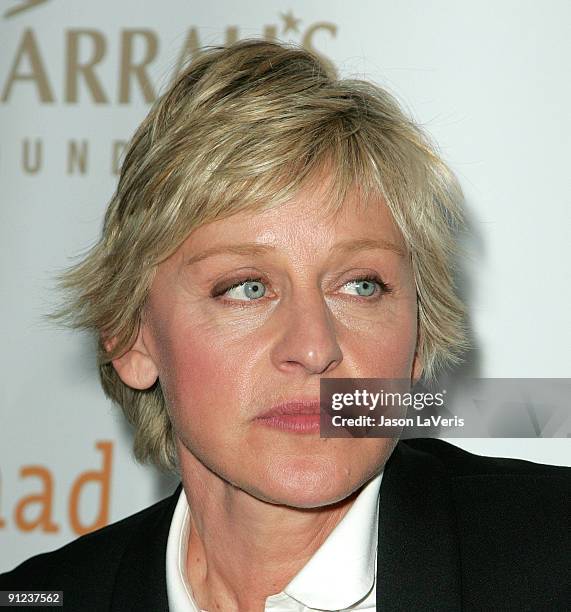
(233, 535)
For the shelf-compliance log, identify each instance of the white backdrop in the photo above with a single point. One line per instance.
(488, 79)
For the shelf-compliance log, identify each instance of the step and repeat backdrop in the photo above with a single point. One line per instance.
(488, 80)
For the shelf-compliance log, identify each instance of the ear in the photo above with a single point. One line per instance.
(136, 368)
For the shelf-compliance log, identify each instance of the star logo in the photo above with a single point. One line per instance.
(290, 22)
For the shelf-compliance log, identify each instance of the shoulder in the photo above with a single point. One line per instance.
(92, 560)
(510, 517)
(482, 484)
(459, 463)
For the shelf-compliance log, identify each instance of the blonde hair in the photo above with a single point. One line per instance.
(243, 127)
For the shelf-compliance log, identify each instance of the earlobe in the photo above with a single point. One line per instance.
(136, 367)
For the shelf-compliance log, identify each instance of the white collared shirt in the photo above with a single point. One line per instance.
(340, 576)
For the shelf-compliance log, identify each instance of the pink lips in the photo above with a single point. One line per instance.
(298, 416)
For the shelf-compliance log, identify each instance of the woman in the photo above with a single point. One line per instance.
(274, 226)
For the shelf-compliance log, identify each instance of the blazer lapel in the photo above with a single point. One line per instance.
(141, 577)
(418, 562)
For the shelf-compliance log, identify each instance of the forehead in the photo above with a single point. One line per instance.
(305, 221)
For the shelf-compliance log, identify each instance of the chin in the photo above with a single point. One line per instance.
(316, 479)
(309, 482)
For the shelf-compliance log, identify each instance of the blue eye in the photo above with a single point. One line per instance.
(252, 289)
(246, 290)
(365, 287)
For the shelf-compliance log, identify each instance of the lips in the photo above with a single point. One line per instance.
(301, 416)
(292, 408)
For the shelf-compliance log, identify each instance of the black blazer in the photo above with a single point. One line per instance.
(457, 531)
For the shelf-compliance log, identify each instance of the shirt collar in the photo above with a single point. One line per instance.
(343, 569)
(341, 572)
(179, 593)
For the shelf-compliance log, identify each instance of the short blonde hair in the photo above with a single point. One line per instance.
(244, 127)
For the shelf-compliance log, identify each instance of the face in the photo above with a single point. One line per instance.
(251, 312)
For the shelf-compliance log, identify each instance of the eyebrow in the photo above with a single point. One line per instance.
(253, 248)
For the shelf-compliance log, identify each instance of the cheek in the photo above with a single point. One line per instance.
(205, 366)
(192, 367)
(384, 347)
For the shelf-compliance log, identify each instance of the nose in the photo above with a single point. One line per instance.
(307, 339)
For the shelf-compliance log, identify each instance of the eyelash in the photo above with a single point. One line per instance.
(384, 287)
